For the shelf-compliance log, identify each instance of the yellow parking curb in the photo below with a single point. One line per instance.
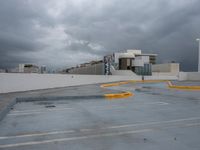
(119, 95)
(128, 94)
(146, 81)
(170, 85)
(113, 84)
(116, 95)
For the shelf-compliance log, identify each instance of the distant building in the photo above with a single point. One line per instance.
(2, 70)
(43, 69)
(127, 63)
(28, 68)
(13, 70)
(133, 60)
(21, 68)
(92, 68)
(166, 69)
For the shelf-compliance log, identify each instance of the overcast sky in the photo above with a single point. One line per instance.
(63, 33)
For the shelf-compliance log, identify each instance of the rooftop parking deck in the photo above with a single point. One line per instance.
(155, 118)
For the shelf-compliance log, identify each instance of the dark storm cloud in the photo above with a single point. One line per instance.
(68, 32)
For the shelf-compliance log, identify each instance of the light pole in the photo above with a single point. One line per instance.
(199, 56)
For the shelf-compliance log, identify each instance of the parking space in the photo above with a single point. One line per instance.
(167, 120)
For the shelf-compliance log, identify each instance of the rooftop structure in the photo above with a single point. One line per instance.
(43, 69)
(28, 68)
(129, 62)
(93, 67)
(133, 60)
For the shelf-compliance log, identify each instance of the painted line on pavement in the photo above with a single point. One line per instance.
(98, 108)
(181, 87)
(169, 84)
(36, 134)
(73, 138)
(109, 127)
(192, 124)
(153, 123)
(37, 110)
(143, 124)
(113, 84)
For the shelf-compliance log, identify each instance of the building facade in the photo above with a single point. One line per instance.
(92, 68)
(28, 68)
(133, 60)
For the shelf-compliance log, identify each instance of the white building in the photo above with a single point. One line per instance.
(21, 68)
(28, 68)
(129, 62)
(133, 60)
(43, 69)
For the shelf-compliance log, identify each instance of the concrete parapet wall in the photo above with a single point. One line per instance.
(191, 76)
(15, 82)
(125, 73)
(96, 69)
(161, 77)
(170, 68)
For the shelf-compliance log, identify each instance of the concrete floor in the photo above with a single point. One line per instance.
(155, 118)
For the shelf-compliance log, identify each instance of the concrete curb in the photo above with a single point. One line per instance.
(113, 84)
(181, 87)
(51, 98)
(119, 95)
(7, 108)
(147, 81)
(169, 84)
(116, 95)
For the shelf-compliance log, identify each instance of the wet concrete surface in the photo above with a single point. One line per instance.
(7, 98)
(155, 118)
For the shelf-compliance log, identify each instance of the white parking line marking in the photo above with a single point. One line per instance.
(143, 124)
(36, 110)
(159, 103)
(36, 134)
(19, 114)
(97, 108)
(192, 124)
(154, 123)
(153, 103)
(73, 138)
(39, 112)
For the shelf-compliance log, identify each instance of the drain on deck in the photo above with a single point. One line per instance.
(50, 106)
(44, 103)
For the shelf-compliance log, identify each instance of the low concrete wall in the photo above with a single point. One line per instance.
(194, 76)
(168, 69)
(191, 76)
(95, 69)
(14, 82)
(161, 77)
(125, 73)
(163, 74)
(183, 76)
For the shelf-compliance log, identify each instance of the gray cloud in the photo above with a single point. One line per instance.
(67, 32)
